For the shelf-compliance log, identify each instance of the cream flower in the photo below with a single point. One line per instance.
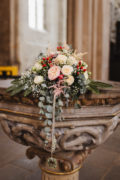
(86, 75)
(71, 60)
(38, 79)
(84, 64)
(37, 66)
(53, 72)
(60, 59)
(70, 80)
(67, 70)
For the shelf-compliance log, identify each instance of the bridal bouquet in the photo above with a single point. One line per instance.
(55, 79)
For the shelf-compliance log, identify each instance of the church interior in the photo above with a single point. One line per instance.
(29, 27)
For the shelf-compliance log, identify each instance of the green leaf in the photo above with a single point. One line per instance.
(77, 106)
(27, 92)
(93, 88)
(101, 84)
(11, 88)
(16, 81)
(17, 90)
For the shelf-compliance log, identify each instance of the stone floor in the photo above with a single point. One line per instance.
(103, 164)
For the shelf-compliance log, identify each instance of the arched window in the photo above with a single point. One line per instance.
(36, 14)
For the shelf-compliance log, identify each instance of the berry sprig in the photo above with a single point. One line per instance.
(80, 68)
(60, 48)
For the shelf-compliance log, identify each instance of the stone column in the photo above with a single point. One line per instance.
(8, 33)
(4, 32)
(88, 31)
(70, 176)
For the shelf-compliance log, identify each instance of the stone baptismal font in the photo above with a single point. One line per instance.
(80, 133)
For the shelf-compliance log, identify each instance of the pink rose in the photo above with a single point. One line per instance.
(53, 72)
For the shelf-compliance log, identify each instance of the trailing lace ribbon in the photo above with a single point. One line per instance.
(58, 90)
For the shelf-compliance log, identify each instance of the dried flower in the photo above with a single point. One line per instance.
(72, 61)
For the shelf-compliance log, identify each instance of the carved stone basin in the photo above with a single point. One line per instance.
(81, 131)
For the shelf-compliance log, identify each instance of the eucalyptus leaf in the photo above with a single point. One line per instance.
(49, 100)
(47, 129)
(46, 141)
(43, 85)
(41, 112)
(49, 108)
(40, 104)
(48, 115)
(42, 99)
(40, 118)
(67, 95)
(46, 122)
(60, 102)
(49, 123)
(42, 93)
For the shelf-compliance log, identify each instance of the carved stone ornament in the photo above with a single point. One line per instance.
(81, 131)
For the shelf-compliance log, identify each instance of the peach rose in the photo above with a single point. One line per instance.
(53, 72)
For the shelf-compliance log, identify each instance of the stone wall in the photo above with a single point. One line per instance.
(19, 44)
(5, 32)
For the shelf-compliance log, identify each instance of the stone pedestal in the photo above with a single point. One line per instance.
(71, 176)
(67, 165)
(81, 131)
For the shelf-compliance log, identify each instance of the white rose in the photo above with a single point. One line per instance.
(86, 75)
(70, 80)
(38, 79)
(71, 60)
(61, 59)
(67, 70)
(37, 66)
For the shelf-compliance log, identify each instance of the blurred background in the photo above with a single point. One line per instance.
(28, 27)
